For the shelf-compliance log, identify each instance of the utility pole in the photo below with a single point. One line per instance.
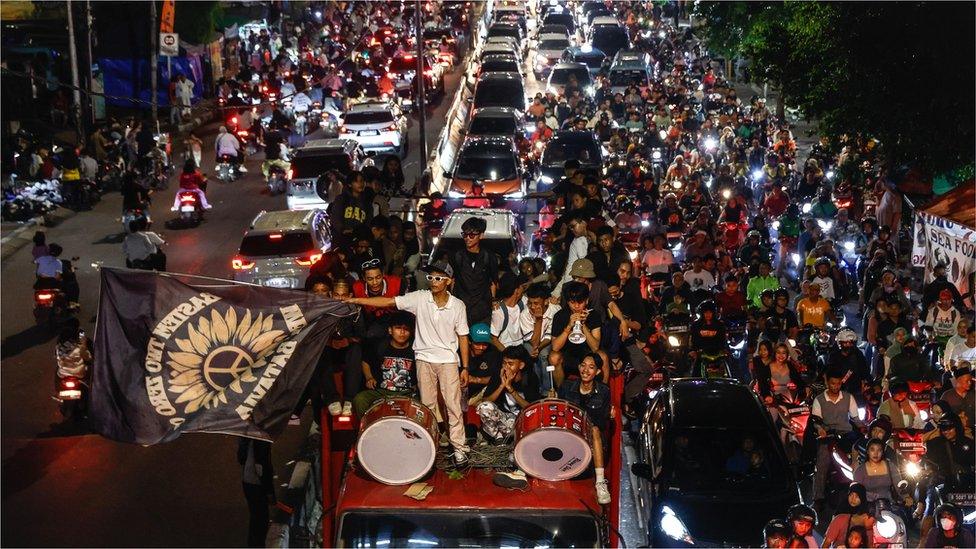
(421, 101)
(153, 62)
(91, 63)
(73, 53)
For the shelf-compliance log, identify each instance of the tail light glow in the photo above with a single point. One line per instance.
(188, 197)
(241, 264)
(44, 296)
(275, 236)
(310, 260)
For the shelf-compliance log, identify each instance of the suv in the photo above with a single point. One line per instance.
(581, 145)
(500, 63)
(279, 248)
(502, 237)
(497, 121)
(379, 126)
(691, 486)
(499, 89)
(549, 50)
(624, 74)
(315, 158)
(608, 39)
(492, 161)
(594, 59)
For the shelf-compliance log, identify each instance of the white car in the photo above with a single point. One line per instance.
(549, 50)
(379, 126)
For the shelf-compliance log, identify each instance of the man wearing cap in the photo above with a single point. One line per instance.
(485, 359)
(961, 397)
(441, 329)
(476, 271)
(933, 290)
(942, 317)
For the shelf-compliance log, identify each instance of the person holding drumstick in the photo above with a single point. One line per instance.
(441, 330)
(593, 396)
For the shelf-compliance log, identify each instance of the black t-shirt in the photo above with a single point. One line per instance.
(486, 365)
(528, 387)
(785, 321)
(393, 369)
(559, 323)
(272, 145)
(473, 274)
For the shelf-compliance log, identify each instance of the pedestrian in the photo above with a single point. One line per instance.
(477, 270)
(257, 476)
(441, 329)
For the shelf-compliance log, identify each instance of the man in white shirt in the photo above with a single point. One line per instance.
(506, 330)
(578, 249)
(698, 278)
(49, 267)
(442, 329)
(958, 338)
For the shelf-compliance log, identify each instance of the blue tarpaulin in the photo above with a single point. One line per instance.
(129, 78)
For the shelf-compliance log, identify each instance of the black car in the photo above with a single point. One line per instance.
(608, 39)
(697, 485)
(581, 145)
(499, 89)
(561, 18)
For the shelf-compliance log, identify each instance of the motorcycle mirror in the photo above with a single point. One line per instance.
(642, 470)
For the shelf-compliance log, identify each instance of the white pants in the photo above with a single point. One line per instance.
(432, 376)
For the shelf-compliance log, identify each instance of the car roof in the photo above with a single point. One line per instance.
(567, 65)
(716, 403)
(313, 147)
(370, 106)
(502, 140)
(560, 25)
(605, 20)
(553, 36)
(575, 135)
(283, 220)
(495, 112)
(499, 222)
(586, 50)
(498, 75)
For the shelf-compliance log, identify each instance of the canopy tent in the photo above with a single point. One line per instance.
(957, 205)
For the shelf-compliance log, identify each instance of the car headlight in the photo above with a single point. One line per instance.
(807, 207)
(672, 526)
(912, 469)
(674, 341)
(456, 194)
(886, 525)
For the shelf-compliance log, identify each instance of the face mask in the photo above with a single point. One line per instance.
(947, 523)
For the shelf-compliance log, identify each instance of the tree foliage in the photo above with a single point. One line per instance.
(899, 72)
(195, 21)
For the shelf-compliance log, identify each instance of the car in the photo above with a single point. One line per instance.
(602, 17)
(563, 18)
(500, 63)
(279, 248)
(566, 144)
(402, 69)
(623, 75)
(549, 51)
(507, 29)
(499, 89)
(316, 157)
(608, 39)
(560, 74)
(594, 59)
(553, 28)
(502, 235)
(506, 41)
(632, 56)
(379, 126)
(690, 488)
(498, 48)
(497, 121)
(434, 37)
(492, 161)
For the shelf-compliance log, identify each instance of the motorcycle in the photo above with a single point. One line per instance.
(713, 366)
(132, 214)
(277, 178)
(50, 307)
(190, 210)
(794, 413)
(71, 397)
(889, 528)
(226, 170)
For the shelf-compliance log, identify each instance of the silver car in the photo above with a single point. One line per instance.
(279, 248)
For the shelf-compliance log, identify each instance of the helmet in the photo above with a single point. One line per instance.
(768, 292)
(822, 261)
(707, 305)
(846, 334)
(782, 292)
(949, 508)
(670, 195)
(626, 203)
(753, 234)
(882, 422)
(802, 512)
(776, 528)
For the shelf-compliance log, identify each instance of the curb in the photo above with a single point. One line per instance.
(18, 238)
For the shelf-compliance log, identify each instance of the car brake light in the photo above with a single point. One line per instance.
(233, 120)
(45, 296)
(310, 260)
(241, 264)
(69, 384)
(408, 57)
(276, 236)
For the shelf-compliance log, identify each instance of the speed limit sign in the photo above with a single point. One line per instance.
(169, 44)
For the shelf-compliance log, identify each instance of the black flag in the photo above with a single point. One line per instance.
(215, 357)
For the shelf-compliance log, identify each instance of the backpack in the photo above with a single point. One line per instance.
(504, 308)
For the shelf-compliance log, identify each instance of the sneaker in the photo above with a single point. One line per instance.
(461, 460)
(347, 408)
(335, 408)
(602, 492)
(208, 207)
(515, 480)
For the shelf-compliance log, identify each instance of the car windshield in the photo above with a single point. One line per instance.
(500, 65)
(628, 78)
(709, 460)
(560, 150)
(554, 44)
(492, 125)
(486, 162)
(500, 94)
(314, 166)
(561, 75)
(260, 245)
(467, 529)
(609, 38)
(368, 117)
(591, 60)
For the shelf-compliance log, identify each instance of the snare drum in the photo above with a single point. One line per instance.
(552, 440)
(397, 441)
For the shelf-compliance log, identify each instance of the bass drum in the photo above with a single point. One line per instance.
(553, 440)
(397, 441)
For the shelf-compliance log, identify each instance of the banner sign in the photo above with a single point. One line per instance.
(173, 358)
(938, 240)
(168, 16)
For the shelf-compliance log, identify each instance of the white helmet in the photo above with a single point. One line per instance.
(846, 334)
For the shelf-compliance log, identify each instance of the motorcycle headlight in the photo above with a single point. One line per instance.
(674, 341)
(645, 223)
(632, 254)
(776, 225)
(656, 155)
(886, 525)
(545, 179)
(796, 259)
(825, 224)
(807, 207)
(672, 526)
(514, 196)
(912, 469)
(849, 246)
(830, 174)
(757, 175)
(590, 90)
(924, 414)
(710, 143)
(663, 134)
(726, 194)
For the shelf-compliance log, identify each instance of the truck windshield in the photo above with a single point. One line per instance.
(467, 529)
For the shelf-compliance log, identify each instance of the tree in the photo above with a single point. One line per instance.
(195, 21)
(898, 72)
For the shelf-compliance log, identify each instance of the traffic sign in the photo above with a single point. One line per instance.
(169, 44)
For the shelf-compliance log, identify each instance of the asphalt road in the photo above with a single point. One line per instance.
(63, 486)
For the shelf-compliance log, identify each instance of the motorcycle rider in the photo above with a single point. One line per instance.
(952, 456)
(802, 519)
(846, 355)
(143, 249)
(192, 181)
(776, 534)
(227, 144)
(824, 207)
(73, 353)
(909, 364)
(707, 332)
(942, 317)
(933, 290)
(835, 410)
(949, 530)
(879, 429)
(764, 282)
(274, 151)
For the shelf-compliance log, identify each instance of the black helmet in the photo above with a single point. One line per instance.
(884, 422)
(768, 292)
(782, 292)
(776, 528)
(822, 261)
(949, 508)
(707, 305)
(802, 512)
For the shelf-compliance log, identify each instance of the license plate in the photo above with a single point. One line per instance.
(73, 394)
(369, 132)
(657, 376)
(920, 397)
(962, 499)
(798, 410)
(911, 446)
(278, 282)
(187, 208)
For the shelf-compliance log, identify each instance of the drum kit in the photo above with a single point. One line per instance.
(398, 440)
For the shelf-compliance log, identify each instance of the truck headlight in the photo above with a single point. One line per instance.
(672, 526)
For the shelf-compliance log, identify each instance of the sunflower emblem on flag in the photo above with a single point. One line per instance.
(220, 353)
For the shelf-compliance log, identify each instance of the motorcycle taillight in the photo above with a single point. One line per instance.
(44, 296)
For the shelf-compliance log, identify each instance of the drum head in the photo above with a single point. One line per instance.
(552, 454)
(396, 450)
